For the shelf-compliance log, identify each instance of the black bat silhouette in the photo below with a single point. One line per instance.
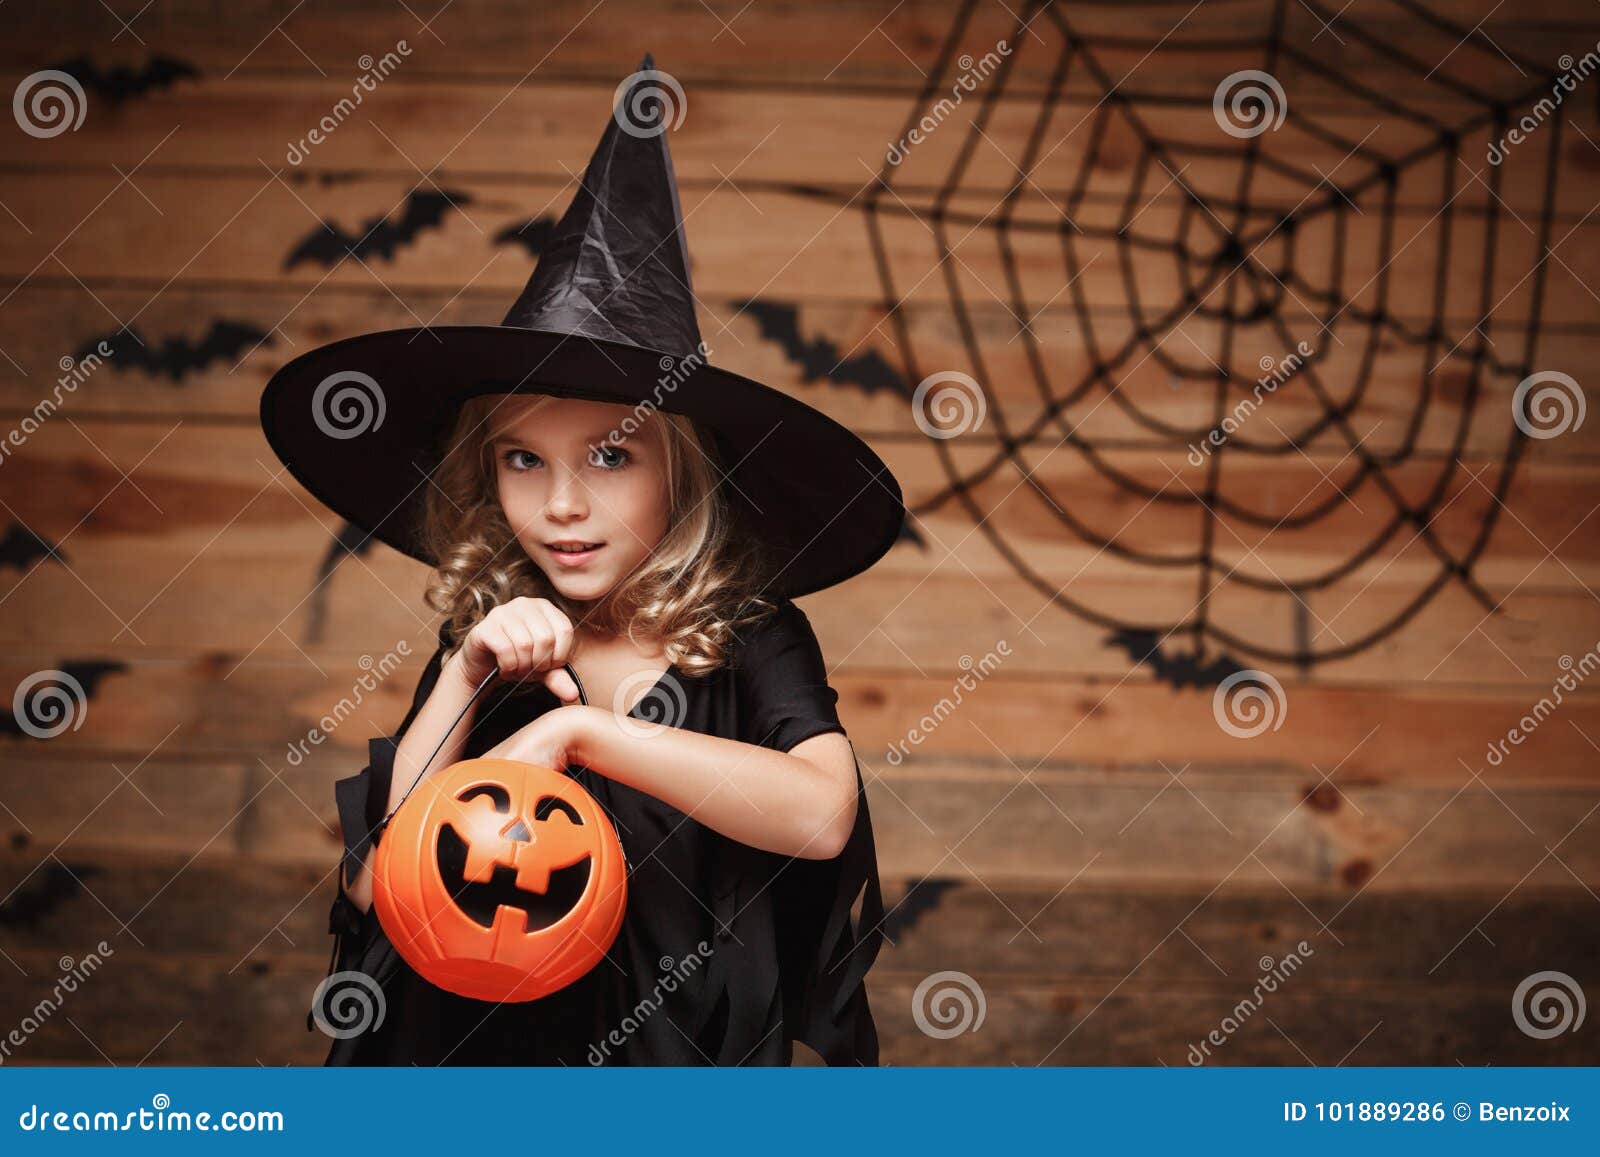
(326, 178)
(1177, 671)
(177, 357)
(48, 891)
(780, 322)
(21, 547)
(329, 244)
(87, 673)
(482, 901)
(351, 540)
(920, 898)
(121, 83)
(533, 235)
(908, 533)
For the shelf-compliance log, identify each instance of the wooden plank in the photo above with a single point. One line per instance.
(206, 537)
(950, 819)
(1049, 502)
(249, 229)
(190, 1016)
(824, 137)
(1195, 938)
(1381, 734)
(898, 617)
(1107, 829)
(208, 352)
(843, 43)
(193, 808)
(237, 907)
(1093, 1024)
(1037, 499)
(1013, 932)
(1120, 977)
(183, 1014)
(881, 619)
(1372, 736)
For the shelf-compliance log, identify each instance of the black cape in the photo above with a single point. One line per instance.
(727, 954)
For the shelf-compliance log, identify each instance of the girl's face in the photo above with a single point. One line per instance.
(586, 502)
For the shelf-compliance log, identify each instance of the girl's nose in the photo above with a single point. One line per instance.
(568, 498)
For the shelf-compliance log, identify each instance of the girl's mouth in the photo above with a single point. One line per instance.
(573, 553)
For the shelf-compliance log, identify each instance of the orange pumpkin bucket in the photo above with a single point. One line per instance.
(503, 881)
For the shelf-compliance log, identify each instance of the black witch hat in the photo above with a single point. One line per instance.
(608, 315)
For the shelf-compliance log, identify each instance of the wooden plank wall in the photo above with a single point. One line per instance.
(1108, 866)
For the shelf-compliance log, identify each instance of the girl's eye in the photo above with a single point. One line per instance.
(608, 457)
(513, 458)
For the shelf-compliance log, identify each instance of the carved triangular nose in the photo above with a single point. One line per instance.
(519, 832)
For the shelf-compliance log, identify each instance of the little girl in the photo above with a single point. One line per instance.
(586, 514)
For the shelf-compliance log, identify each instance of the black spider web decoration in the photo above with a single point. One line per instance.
(1234, 255)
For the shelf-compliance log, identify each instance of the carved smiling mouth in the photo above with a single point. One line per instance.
(480, 900)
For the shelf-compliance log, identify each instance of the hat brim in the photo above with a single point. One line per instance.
(824, 503)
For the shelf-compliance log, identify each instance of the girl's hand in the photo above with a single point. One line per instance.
(521, 639)
(552, 740)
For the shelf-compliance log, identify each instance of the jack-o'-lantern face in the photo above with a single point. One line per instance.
(500, 880)
(499, 863)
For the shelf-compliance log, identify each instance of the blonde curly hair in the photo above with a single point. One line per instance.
(702, 581)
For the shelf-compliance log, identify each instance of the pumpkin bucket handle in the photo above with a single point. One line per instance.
(487, 679)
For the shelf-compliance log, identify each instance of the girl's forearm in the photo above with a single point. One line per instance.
(768, 799)
(450, 694)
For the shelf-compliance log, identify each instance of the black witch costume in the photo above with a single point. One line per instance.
(727, 954)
